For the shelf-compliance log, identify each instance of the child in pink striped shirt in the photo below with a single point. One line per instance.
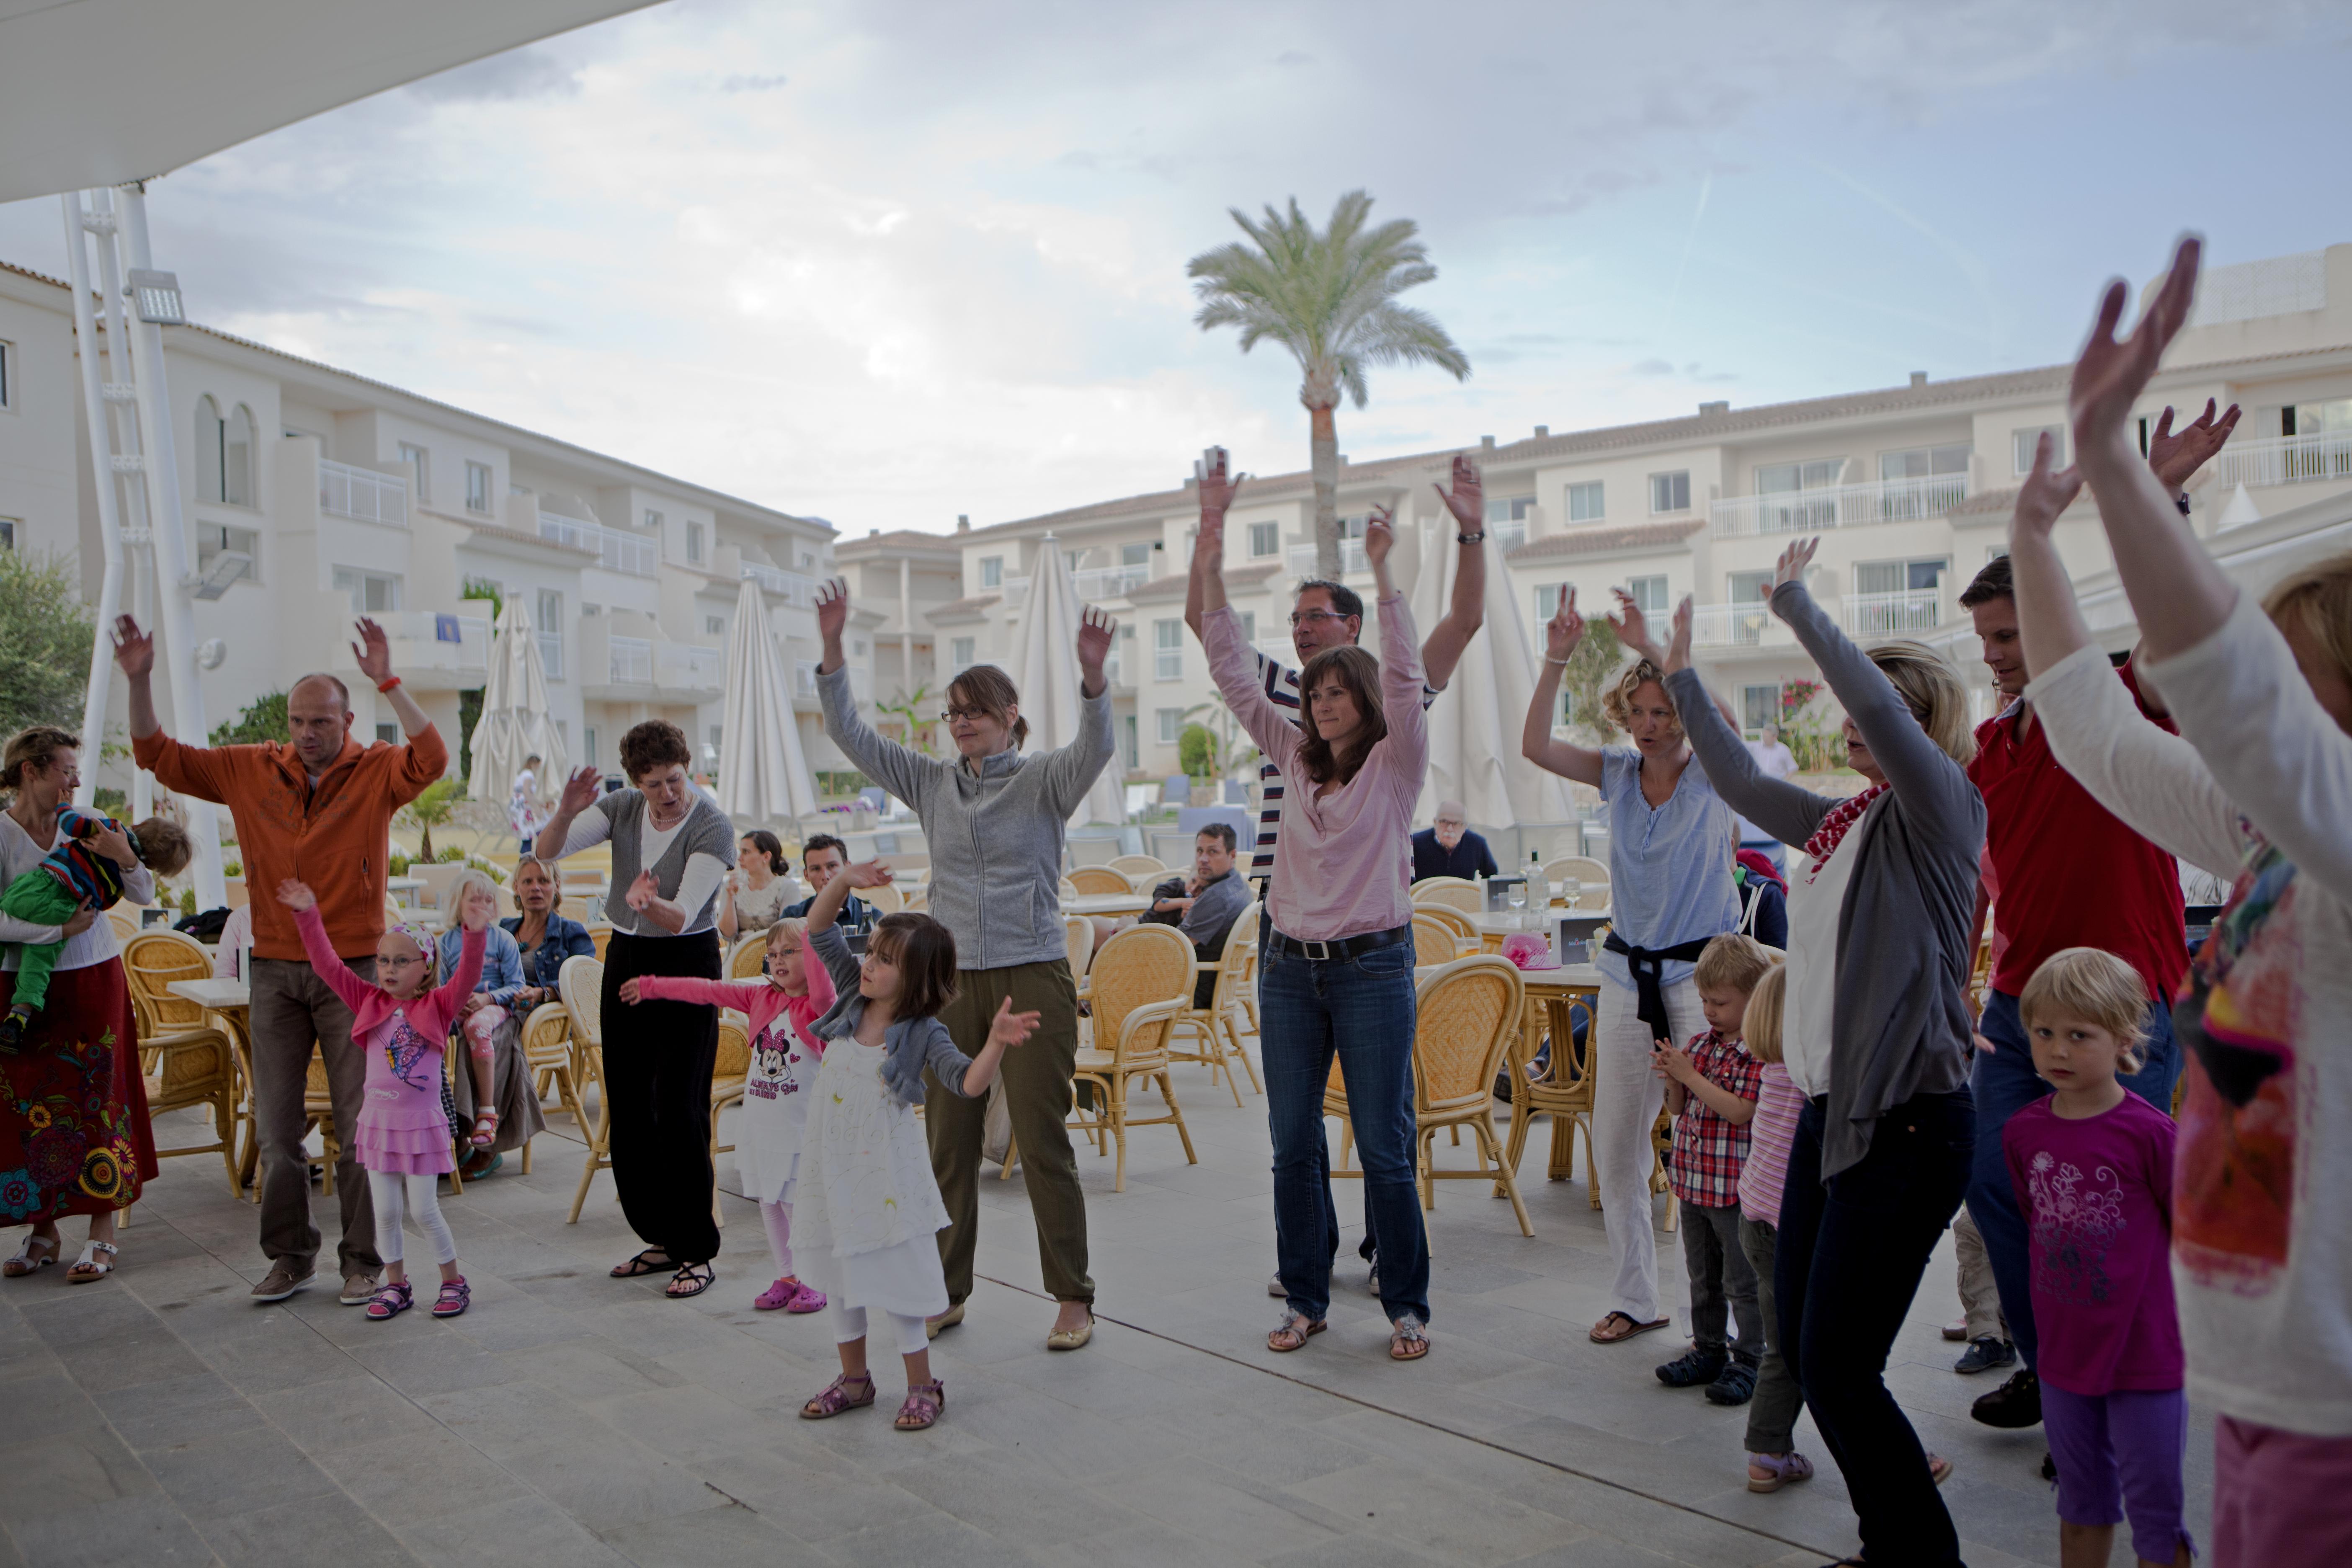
(1772, 1459)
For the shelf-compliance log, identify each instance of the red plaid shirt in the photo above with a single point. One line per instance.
(1709, 1151)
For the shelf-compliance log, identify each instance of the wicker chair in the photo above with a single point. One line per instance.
(601, 936)
(125, 923)
(1140, 870)
(887, 899)
(547, 1053)
(747, 957)
(1462, 894)
(1583, 867)
(1453, 920)
(1466, 1015)
(1095, 881)
(1433, 942)
(188, 1061)
(729, 1070)
(1079, 935)
(1215, 1025)
(580, 983)
(1142, 980)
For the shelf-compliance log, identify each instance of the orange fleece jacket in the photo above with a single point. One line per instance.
(335, 837)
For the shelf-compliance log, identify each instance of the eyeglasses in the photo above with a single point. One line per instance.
(396, 963)
(950, 715)
(1308, 617)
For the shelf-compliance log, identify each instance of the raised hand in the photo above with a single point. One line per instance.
(1379, 534)
(1096, 631)
(1634, 629)
(1467, 500)
(629, 993)
(2111, 373)
(1790, 567)
(2176, 455)
(1009, 1027)
(2044, 494)
(833, 610)
(580, 791)
(134, 650)
(1564, 630)
(471, 916)
(373, 650)
(643, 892)
(1678, 645)
(1217, 490)
(869, 874)
(297, 895)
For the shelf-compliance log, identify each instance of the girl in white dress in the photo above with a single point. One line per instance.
(867, 1208)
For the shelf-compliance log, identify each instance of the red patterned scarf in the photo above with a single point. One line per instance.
(1832, 830)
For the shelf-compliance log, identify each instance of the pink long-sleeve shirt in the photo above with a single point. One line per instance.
(1343, 860)
(430, 1014)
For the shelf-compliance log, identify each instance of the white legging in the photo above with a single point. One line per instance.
(384, 1187)
(1626, 1098)
(849, 1323)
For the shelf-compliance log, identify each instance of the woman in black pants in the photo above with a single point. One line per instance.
(671, 850)
(1874, 1030)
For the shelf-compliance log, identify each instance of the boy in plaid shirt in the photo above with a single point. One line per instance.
(1711, 1089)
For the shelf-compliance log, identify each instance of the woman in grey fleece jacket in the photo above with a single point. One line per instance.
(994, 818)
(1883, 1146)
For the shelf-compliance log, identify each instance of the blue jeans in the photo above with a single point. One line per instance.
(1361, 1009)
(2004, 1083)
(1845, 1266)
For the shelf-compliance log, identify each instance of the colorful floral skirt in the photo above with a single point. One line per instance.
(74, 1133)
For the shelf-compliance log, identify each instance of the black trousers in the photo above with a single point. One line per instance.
(657, 1062)
(1847, 1263)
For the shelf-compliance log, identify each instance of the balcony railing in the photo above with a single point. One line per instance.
(1351, 559)
(861, 682)
(1510, 535)
(1748, 625)
(1842, 506)
(362, 494)
(792, 587)
(1015, 589)
(2288, 460)
(688, 667)
(1099, 583)
(628, 552)
(633, 661)
(1894, 615)
(551, 654)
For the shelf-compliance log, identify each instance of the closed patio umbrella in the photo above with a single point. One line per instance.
(515, 722)
(762, 775)
(1046, 671)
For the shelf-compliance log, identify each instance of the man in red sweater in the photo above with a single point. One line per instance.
(317, 810)
(2060, 872)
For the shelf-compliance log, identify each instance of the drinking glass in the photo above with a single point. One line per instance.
(1515, 895)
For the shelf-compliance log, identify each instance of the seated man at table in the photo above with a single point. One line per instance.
(1205, 906)
(1448, 847)
(822, 859)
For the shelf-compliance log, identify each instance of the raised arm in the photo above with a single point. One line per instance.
(1401, 669)
(825, 937)
(449, 996)
(578, 801)
(1236, 667)
(2152, 780)
(1465, 612)
(348, 987)
(1563, 634)
(192, 770)
(426, 755)
(2049, 623)
(1217, 493)
(1071, 770)
(737, 994)
(896, 768)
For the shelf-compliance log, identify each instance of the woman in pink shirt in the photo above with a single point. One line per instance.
(1339, 955)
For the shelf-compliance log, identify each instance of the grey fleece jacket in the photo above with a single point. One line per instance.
(1902, 1026)
(995, 832)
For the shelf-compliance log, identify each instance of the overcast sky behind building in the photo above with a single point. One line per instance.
(890, 262)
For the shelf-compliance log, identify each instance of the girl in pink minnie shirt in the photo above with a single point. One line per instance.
(795, 993)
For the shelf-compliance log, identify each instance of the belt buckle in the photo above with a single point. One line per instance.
(1308, 948)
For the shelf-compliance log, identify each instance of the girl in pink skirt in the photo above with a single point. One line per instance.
(402, 1137)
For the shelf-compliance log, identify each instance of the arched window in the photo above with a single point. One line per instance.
(210, 434)
(237, 457)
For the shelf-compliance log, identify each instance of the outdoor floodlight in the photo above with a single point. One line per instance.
(210, 653)
(157, 295)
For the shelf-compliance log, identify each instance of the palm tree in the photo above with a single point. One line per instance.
(1331, 300)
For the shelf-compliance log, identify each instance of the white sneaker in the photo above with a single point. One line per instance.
(1274, 1287)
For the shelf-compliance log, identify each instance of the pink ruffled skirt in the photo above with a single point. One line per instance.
(406, 1136)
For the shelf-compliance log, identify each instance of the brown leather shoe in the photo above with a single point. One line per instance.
(282, 1281)
(359, 1290)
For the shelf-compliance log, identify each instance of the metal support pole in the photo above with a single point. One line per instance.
(110, 524)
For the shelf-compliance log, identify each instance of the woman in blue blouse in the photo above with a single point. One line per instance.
(544, 936)
(496, 1093)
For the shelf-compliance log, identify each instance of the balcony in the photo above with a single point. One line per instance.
(861, 683)
(1351, 559)
(651, 671)
(2288, 460)
(1510, 535)
(1015, 589)
(1840, 506)
(1899, 614)
(551, 654)
(1749, 625)
(431, 652)
(792, 587)
(1099, 583)
(362, 494)
(625, 553)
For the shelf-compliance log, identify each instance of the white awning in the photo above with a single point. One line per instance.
(103, 92)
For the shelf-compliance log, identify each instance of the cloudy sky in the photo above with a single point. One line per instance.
(887, 261)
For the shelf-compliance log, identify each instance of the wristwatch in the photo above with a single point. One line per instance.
(1477, 538)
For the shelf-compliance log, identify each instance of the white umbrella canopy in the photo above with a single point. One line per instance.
(1046, 670)
(515, 722)
(762, 775)
(1473, 729)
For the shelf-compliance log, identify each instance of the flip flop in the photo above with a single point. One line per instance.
(1630, 1329)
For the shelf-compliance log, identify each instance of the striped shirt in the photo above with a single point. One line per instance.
(1281, 683)
(1770, 1132)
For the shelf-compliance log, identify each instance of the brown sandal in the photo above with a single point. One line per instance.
(924, 1401)
(1408, 1340)
(1632, 1328)
(1295, 1331)
(837, 1398)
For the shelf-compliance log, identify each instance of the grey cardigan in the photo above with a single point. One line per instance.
(706, 831)
(908, 1044)
(1902, 1026)
(995, 833)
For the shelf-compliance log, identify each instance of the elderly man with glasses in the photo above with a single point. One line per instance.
(1448, 848)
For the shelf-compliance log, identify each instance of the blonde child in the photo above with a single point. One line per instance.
(489, 1007)
(870, 1212)
(785, 1051)
(2093, 1168)
(402, 1136)
(1711, 1088)
(1773, 1461)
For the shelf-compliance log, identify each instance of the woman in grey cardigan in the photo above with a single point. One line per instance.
(1875, 1032)
(994, 819)
(671, 848)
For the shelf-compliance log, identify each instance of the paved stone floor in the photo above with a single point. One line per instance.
(160, 1418)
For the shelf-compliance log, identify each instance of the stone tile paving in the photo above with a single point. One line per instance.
(161, 1418)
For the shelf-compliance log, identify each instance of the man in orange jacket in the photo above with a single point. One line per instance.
(317, 810)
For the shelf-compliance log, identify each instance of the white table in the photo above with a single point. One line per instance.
(1106, 904)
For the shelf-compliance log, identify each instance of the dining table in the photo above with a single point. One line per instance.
(1106, 904)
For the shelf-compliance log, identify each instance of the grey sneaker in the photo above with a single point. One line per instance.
(359, 1290)
(1274, 1286)
(1372, 1281)
(282, 1281)
(1985, 1354)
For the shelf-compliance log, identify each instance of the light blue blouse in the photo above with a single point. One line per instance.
(1669, 869)
(501, 962)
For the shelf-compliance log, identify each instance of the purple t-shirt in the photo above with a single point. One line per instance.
(2096, 1194)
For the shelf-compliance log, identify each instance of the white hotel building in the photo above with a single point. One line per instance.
(345, 497)
(1910, 488)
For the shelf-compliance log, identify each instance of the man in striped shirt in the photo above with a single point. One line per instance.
(1325, 615)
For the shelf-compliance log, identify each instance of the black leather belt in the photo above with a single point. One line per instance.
(1343, 947)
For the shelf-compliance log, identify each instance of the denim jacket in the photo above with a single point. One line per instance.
(910, 1045)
